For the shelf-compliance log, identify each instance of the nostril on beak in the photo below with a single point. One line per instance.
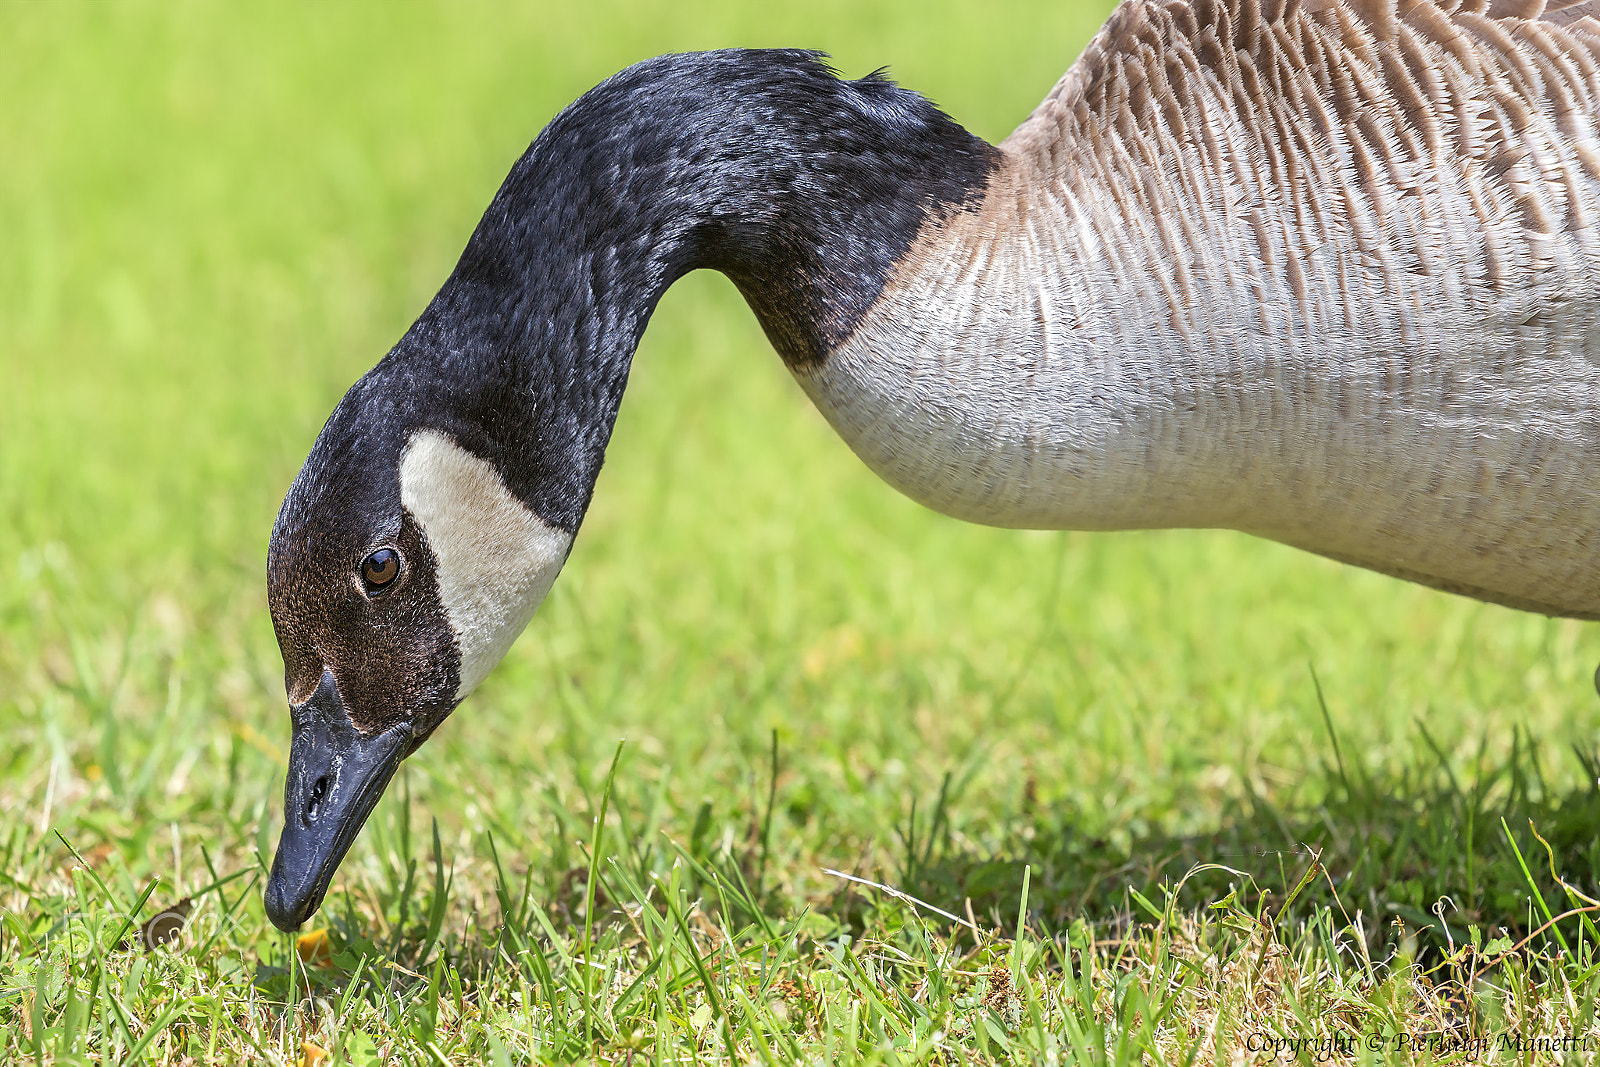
(314, 798)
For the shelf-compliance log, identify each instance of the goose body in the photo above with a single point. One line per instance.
(1336, 287)
(1327, 272)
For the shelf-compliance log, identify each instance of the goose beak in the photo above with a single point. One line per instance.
(336, 775)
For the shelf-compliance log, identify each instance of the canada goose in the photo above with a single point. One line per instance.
(1324, 271)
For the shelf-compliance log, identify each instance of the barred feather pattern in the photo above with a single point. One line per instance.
(1325, 271)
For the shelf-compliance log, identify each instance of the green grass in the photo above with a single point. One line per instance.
(213, 219)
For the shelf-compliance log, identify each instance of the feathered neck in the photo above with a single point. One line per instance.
(803, 188)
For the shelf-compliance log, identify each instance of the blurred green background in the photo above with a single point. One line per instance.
(214, 218)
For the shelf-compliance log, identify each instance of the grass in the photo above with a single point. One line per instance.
(1188, 797)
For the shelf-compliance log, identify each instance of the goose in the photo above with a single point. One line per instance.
(1322, 271)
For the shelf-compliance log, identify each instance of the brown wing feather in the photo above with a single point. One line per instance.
(1377, 126)
(1307, 68)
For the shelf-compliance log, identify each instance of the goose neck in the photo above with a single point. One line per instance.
(803, 188)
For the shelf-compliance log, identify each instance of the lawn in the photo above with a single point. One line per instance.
(1172, 795)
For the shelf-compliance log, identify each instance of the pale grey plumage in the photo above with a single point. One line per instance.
(1325, 272)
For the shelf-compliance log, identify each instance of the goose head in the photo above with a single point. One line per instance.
(401, 569)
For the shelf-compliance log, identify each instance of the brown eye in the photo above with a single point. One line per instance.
(380, 569)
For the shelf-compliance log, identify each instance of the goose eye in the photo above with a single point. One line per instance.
(380, 569)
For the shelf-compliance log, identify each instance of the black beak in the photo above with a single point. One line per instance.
(336, 775)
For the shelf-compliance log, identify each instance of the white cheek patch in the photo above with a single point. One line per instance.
(495, 560)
